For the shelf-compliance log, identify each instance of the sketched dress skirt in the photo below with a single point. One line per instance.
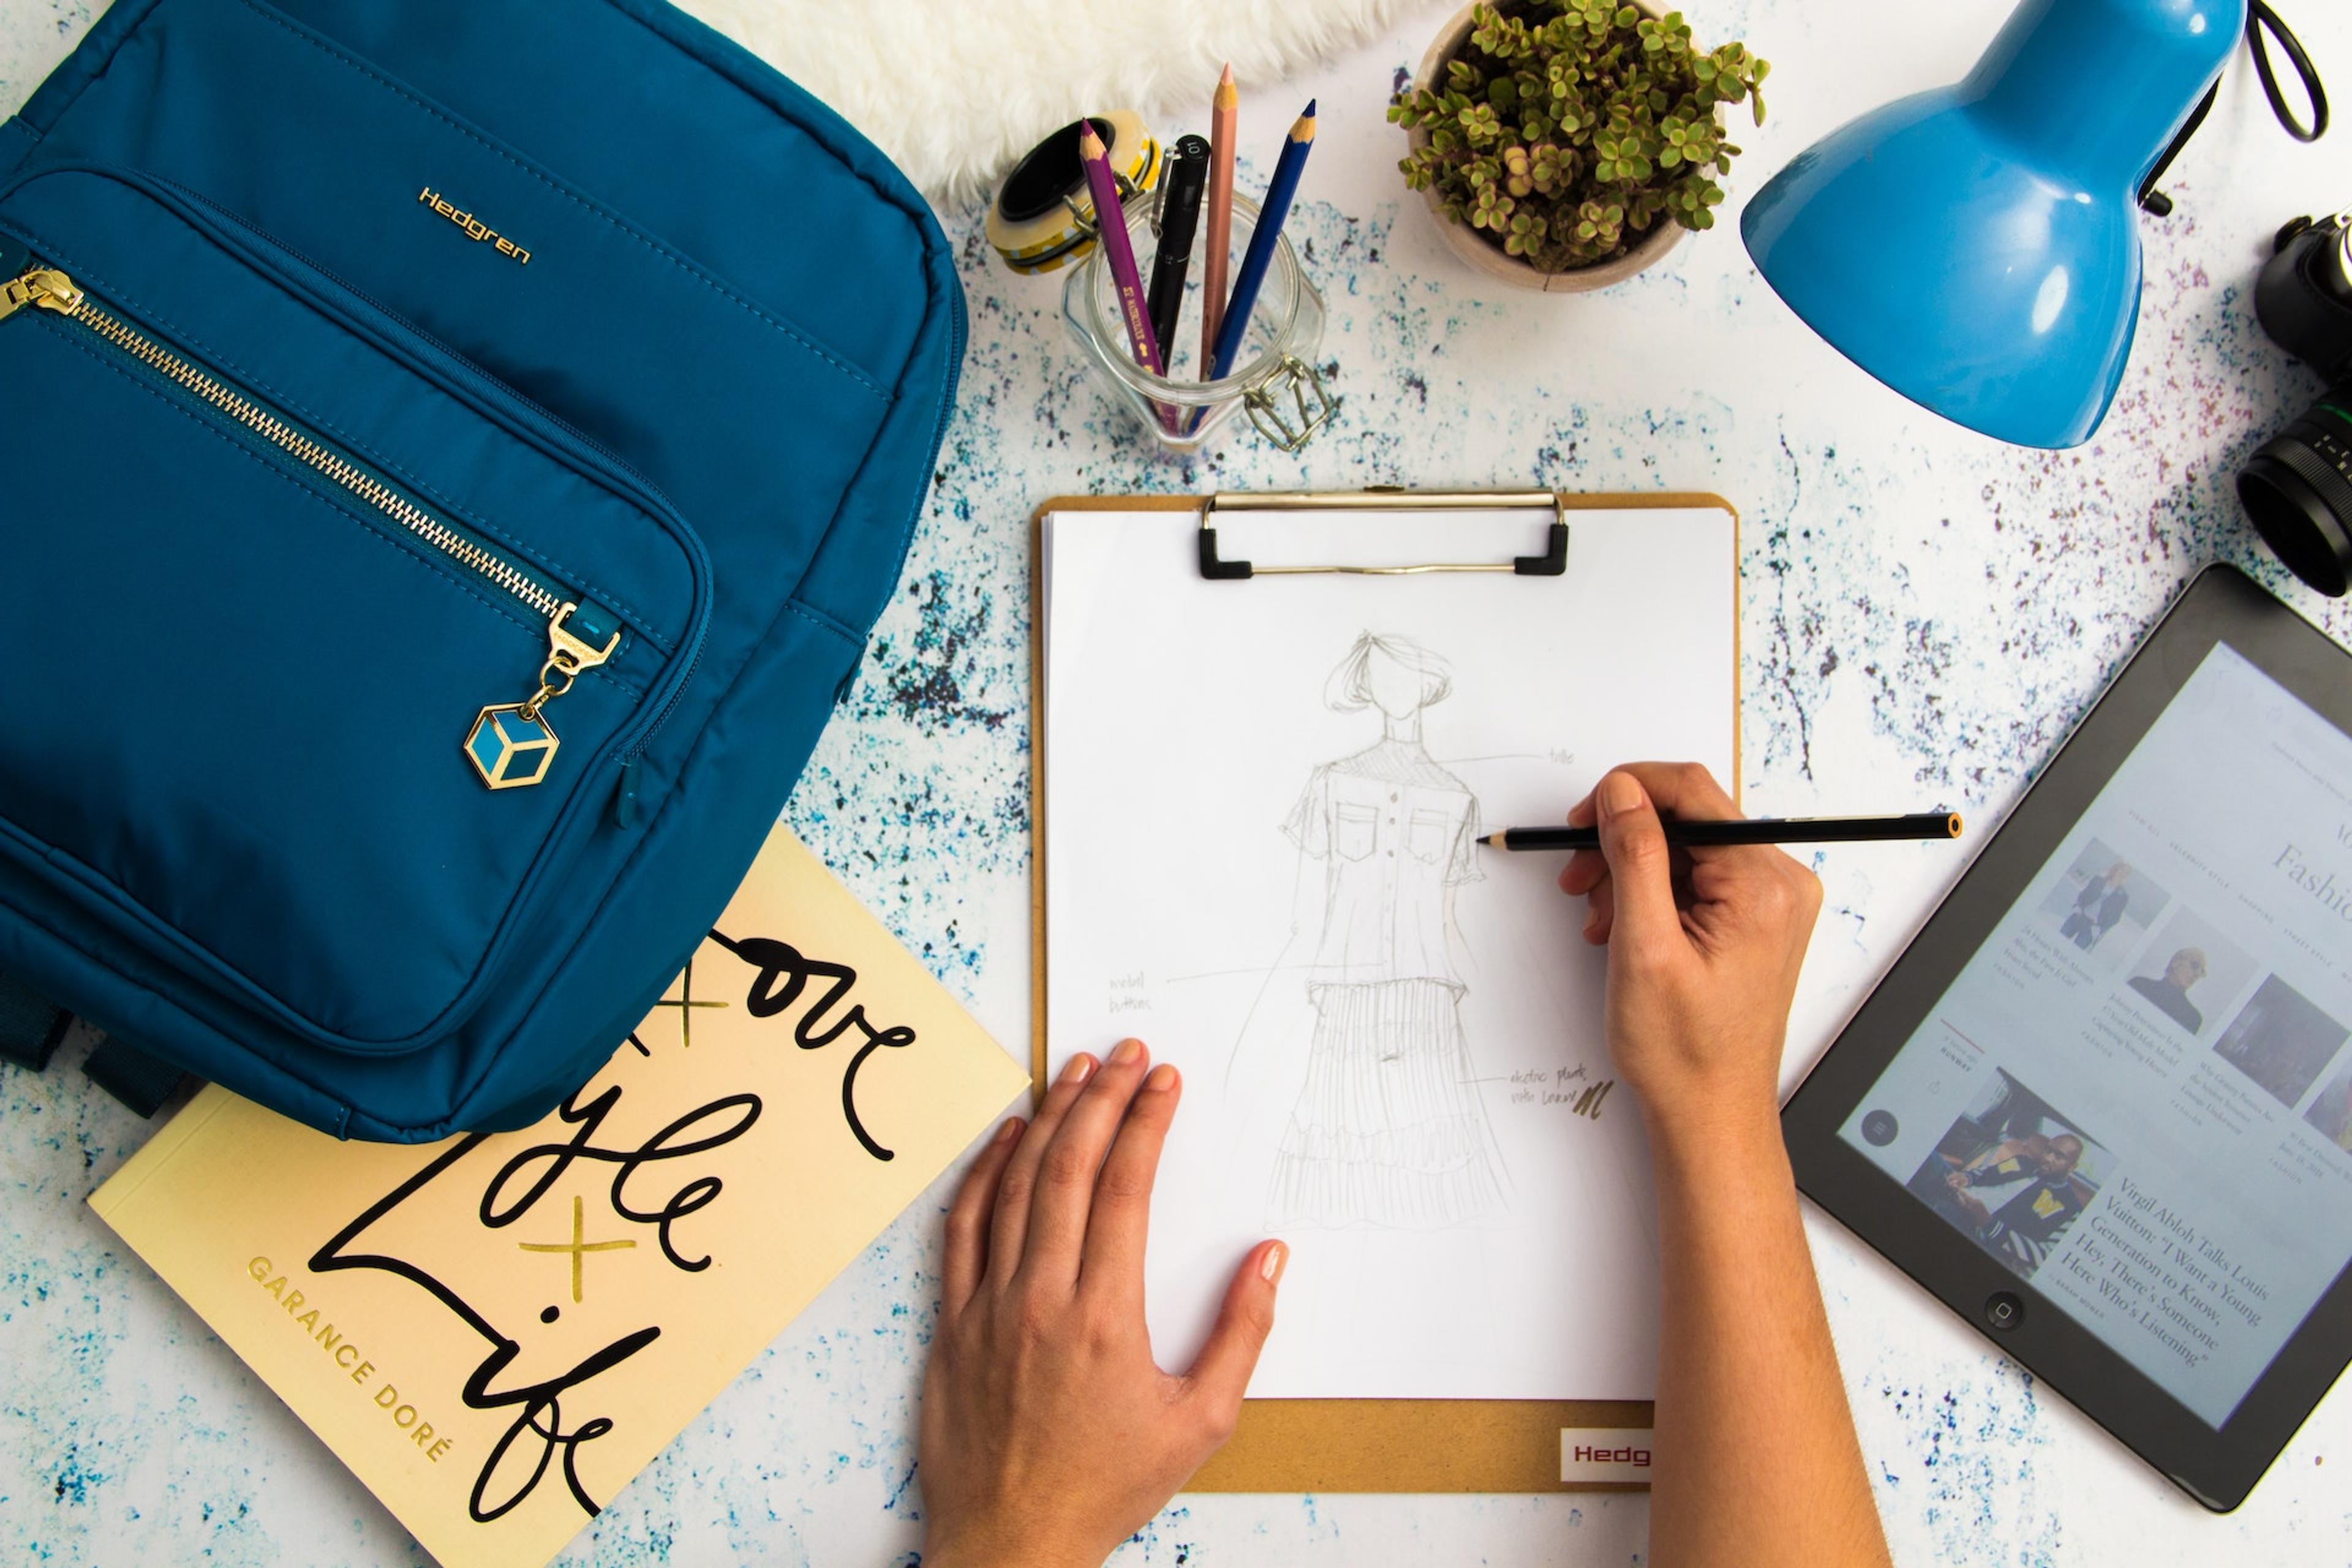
(1387, 1128)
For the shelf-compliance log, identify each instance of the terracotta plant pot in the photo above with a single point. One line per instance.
(1471, 244)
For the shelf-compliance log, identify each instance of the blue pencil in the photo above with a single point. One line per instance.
(1252, 276)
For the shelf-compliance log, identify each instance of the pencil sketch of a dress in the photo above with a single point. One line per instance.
(1389, 1128)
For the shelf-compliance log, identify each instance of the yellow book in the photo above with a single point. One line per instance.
(498, 1331)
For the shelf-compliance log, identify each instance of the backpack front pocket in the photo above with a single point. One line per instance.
(513, 745)
(290, 707)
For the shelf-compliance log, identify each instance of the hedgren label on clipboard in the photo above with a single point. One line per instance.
(1605, 1454)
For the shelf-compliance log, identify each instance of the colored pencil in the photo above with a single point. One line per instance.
(1224, 122)
(1746, 830)
(1118, 252)
(1260, 258)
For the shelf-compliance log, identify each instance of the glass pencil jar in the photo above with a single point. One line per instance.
(1273, 379)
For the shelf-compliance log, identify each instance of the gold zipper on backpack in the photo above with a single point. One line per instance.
(510, 745)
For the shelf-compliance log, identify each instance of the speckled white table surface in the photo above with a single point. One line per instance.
(1926, 614)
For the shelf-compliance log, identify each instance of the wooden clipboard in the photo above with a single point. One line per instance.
(1360, 1444)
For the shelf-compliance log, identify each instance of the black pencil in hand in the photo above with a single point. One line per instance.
(1746, 830)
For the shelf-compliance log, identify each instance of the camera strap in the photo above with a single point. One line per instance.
(2260, 20)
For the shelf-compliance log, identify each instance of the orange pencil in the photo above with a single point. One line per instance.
(1223, 124)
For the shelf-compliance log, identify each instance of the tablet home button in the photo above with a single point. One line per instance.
(2003, 1310)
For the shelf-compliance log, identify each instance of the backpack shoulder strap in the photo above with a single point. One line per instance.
(139, 1080)
(31, 1028)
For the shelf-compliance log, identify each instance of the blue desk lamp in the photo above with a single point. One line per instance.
(1976, 247)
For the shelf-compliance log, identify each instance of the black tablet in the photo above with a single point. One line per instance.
(2102, 1106)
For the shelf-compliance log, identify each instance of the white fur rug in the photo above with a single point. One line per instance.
(956, 89)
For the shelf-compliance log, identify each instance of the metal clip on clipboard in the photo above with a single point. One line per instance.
(1552, 562)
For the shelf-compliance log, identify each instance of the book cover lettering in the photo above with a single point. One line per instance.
(498, 1331)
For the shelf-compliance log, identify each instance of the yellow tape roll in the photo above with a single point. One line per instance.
(1044, 217)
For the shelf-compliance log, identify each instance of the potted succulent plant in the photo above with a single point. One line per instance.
(1566, 144)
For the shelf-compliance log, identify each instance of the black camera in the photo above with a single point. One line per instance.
(2298, 487)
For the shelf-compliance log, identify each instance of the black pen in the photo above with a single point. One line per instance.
(1186, 177)
(1746, 830)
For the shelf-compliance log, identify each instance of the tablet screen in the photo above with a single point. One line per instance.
(2137, 1095)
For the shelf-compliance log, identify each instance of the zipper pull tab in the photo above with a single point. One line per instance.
(570, 652)
(513, 745)
(43, 286)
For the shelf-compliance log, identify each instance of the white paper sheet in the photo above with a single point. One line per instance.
(1391, 1086)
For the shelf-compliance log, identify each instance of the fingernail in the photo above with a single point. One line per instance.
(1009, 1132)
(1269, 1268)
(1160, 1079)
(1082, 1066)
(1126, 1053)
(1619, 793)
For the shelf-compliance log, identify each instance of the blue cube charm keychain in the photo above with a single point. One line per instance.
(511, 744)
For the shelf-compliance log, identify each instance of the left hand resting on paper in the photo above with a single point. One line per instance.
(1049, 1436)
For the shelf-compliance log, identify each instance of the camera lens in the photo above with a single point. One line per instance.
(2297, 489)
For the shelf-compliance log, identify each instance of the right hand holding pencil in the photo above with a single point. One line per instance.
(1705, 946)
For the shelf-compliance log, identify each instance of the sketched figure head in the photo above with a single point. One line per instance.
(1393, 674)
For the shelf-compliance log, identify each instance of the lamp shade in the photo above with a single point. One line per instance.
(1976, 247)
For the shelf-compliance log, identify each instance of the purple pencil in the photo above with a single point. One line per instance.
(1119, 254)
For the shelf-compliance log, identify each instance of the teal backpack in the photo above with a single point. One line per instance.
(457, 450)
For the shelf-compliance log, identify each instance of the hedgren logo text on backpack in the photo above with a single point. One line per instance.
(474, 229)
